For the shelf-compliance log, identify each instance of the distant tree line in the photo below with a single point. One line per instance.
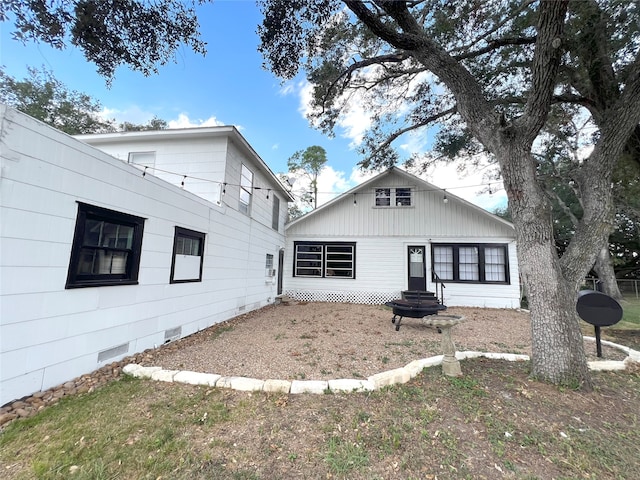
(42, 96)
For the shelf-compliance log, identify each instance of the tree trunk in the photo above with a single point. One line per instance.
(606, 274)
(557, 344)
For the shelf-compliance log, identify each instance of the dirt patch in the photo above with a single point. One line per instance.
(323, 341)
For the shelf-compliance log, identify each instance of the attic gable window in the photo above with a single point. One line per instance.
(383, 197)
(393, 197)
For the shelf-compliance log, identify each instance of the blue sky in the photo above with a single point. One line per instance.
(228, 86)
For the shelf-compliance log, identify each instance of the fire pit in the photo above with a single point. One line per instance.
(413, 309)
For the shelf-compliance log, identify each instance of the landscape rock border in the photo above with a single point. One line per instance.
(29, 406)
(345, 385)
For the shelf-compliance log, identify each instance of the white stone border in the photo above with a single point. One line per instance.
(374, 382)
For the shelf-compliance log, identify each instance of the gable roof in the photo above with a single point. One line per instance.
(411, 179)
(227, 131)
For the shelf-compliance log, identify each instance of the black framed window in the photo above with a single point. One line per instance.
(383, 197)
(403, 197)
(473, 263)
(106, 248)
(393, 197)
(188, 256)
(324, 259)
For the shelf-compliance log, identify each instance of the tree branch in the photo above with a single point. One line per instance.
(471, 102)
(499, 25)
(544, 68)
(495, 44)
(423, 123)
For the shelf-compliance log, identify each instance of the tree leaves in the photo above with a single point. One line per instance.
(140, 34)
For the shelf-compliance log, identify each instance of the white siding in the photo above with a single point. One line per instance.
(201, 159)
(381, 275)
(208, 160)
(382, 236)
(49, 334)
(429, 216)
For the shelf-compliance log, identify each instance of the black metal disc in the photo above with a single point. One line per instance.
(598, 308)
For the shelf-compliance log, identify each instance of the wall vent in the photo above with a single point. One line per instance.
(172, 334)
(113, 352)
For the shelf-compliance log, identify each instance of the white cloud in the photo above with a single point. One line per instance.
(416, 141)
(183, 121)
(356, 105)
(359, 176)
(136, 115)
(290, 88)
(471, 185)
(331, 183)
(131, 114)
(354, 119)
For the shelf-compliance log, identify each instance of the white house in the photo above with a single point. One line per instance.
(397, 232)
(101, 259)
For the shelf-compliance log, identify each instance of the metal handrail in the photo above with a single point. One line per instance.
(442, 287)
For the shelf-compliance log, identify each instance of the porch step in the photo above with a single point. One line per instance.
(419, 296)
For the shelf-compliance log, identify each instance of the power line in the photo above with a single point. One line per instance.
(300, 194)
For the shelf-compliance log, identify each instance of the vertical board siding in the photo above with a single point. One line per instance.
(48, 334)
(382, 235)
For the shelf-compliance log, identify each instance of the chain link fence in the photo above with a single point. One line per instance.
(628, 288)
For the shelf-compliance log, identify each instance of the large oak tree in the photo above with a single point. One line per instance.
(494, 70)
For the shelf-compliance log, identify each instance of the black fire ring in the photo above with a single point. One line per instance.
(405, 308)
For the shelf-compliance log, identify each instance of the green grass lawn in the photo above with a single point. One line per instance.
(493, 422)
(631, 313)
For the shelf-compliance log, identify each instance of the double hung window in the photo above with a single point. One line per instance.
(246, 189)
(480, 263)
(275, 213)
(106, 248)
(146, 160)
(188, 256)
(268, 265)
(324, 259)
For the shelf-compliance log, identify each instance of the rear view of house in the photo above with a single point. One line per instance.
(101, 258)
(397, 232)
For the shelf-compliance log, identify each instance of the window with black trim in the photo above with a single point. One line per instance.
(474, 263)
(188, 256)
(393, 197)
(324, 259)
(106, 248)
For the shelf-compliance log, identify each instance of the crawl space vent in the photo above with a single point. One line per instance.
(172, 334)
(113, 352)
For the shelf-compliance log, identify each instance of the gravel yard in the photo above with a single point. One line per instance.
(322, 341)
